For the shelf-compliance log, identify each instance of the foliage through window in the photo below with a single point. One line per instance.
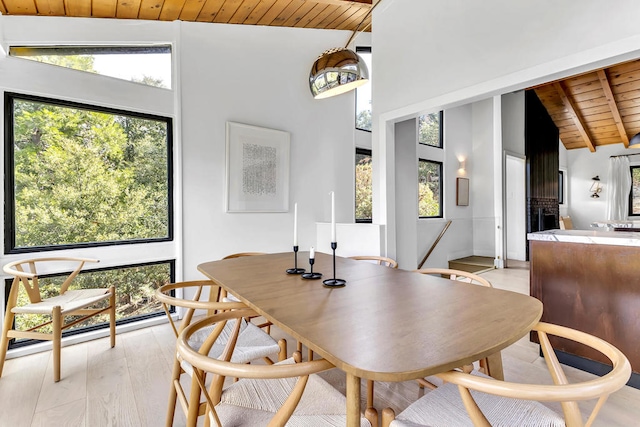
(430, 129)
(78, 175)
(364, 187)
(363, 94)
(135, 288)
(634, 196)
(149, 65)
(429, 189)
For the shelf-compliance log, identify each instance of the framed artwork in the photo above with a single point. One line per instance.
(257, 169)
(462, 191)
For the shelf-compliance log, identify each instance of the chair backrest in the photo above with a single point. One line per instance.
(381, 260)
(456, 275)
(223, 367)
(241, 254)
(164, 295)
(566, 223)
(26, 271)
(561, 391)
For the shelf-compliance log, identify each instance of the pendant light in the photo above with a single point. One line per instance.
(339, 70)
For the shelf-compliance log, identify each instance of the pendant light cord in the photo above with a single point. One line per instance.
(357, 30)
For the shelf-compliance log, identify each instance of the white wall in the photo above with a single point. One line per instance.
(257, 75)
(513, 122)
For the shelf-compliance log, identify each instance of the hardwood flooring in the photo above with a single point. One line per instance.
(128, 385)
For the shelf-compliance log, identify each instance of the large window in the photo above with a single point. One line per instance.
(78, 175)
(364, 187)
(429, 189)
(363, 94)
(430, 129)
(634, 196)
(150, 65)
(135, 288)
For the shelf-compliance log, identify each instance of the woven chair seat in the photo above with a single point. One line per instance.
(69, 301)
(251, 402)
(253, 343)
(443, 407)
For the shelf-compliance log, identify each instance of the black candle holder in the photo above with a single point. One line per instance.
(334, 283)
(311, 275)
(295, 269)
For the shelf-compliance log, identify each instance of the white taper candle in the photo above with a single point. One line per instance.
(312, 253)
(295, 224)
(333, 217)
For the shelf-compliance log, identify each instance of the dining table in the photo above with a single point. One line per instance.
(385, 324)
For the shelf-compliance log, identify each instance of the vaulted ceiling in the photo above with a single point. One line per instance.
(326, 14)
(596, 108)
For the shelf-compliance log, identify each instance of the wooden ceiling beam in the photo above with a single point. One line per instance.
(606, 87)
(569, 105)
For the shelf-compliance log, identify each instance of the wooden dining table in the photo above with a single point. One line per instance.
(385, 324)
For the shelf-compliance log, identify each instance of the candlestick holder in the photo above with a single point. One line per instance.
(334, 283)
(311, 275)
(295, 269)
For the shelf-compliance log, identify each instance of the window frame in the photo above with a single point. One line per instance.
(365, 49)
(364, 152)
(561, 187)
(9, 181)
(440, 131)
(441, 195)
(631, 168)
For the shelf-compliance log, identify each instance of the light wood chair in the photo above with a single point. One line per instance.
(253, 343)
(501, 403)
(566, 223)
(271, 395)
(80, 303)
(463, 276)
(381, 260)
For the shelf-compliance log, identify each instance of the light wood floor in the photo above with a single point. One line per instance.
(128, 385)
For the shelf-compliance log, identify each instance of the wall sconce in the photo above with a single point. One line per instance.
(462, 166)
(595, 187)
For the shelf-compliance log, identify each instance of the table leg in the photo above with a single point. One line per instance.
(494, 368)
(353, 400)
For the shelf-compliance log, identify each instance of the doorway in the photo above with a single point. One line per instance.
(515, 217)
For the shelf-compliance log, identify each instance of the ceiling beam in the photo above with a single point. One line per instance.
(606, 87)
(569, 105)
(358, 3)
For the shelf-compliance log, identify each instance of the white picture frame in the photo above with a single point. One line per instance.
(257, 169)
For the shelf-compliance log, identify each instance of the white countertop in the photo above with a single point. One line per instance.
(595, 237)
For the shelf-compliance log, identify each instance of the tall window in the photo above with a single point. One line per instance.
(150, 65)
(430, 129)
(78, 175)
(561, 187)
(429, 189)
(634, 196)
(364, 187)
(363, 94)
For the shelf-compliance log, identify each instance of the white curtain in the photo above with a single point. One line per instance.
(618, 188)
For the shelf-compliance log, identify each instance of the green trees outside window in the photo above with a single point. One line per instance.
(364, 186)
(86, 176)
(429, 189)
(430, 129)
(634, 197)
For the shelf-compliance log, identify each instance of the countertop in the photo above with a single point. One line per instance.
(594, 237)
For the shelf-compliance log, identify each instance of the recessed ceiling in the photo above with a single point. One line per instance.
(325, 14)
(597, 108)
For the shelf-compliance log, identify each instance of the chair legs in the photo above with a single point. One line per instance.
(57, 341)
(112, 315)
(4, 343)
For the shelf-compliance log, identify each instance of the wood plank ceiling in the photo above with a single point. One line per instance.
(596, 108)
(325, 14)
